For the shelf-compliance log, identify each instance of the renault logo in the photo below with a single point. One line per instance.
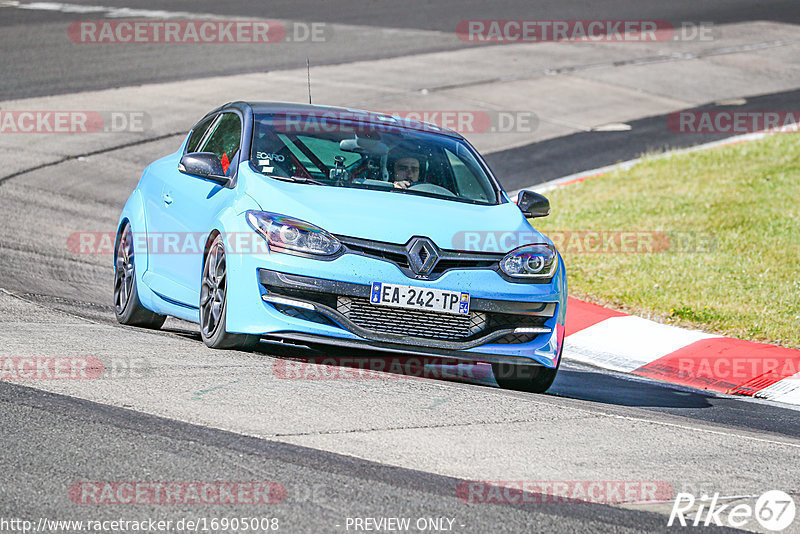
(422, 255)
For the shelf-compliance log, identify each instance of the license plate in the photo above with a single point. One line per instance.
(419, 298)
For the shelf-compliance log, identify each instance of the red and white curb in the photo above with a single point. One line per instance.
(613, 340)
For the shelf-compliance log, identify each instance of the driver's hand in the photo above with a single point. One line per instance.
(402, 185)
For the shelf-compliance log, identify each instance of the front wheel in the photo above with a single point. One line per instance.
(214, 303)
(522, 377)
(127, 306)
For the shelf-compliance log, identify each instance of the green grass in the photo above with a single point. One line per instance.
(743, 205)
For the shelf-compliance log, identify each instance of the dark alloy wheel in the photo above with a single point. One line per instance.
(127, 306)
(213, 303)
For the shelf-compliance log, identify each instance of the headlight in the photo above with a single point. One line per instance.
(531, 261)
(287, 234)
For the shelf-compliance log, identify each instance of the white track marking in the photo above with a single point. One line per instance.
(108, 12)
(786, 390)
(627, 343)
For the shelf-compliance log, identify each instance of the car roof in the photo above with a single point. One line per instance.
(361, 115)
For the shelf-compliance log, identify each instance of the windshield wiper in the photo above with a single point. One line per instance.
(298, 180)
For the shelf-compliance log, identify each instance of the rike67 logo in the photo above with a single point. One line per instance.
(774, 511)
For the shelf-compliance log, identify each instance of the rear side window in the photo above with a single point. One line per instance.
(197, 134)
(224, 140)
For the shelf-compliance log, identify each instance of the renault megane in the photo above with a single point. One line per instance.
(320, 225)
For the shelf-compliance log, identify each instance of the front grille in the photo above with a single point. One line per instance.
(393, 254)
(414, 323)
(397, 254)
(455, 263)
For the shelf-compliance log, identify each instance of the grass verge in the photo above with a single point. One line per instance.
(724, 229)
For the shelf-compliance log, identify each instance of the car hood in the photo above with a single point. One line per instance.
(394, 217)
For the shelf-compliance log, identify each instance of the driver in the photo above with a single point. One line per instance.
(405, 171)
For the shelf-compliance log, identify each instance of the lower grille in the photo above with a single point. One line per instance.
(428, 325)
(412, 323)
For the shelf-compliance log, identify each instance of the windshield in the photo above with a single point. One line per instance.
(348, 153)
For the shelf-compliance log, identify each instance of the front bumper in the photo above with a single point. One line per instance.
(331, 302)
(351, 275)
(249, 312)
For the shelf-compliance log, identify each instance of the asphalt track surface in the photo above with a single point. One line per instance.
(49, 440)
(48, 434)
(37, 58)
(563, 156)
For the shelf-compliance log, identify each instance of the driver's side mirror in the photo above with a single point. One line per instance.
(204, 165)
(533, 204)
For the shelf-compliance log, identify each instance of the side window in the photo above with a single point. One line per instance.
(224, 141)
(197, 134)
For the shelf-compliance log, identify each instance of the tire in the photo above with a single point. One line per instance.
(521, 377)
(127, 306)
(214, 303)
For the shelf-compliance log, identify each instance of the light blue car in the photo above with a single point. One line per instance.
(318, 226)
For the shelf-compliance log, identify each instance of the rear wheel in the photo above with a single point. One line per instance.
(127, 306)
(214, 303)
(521, 377)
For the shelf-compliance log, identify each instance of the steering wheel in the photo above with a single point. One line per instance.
(431, 188)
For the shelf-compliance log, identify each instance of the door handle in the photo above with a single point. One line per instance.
(166, 198)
